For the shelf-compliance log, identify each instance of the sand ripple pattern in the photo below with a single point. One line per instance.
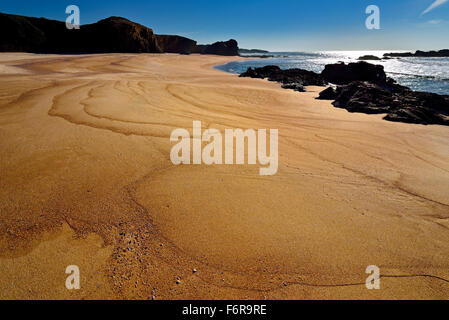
(84, 144)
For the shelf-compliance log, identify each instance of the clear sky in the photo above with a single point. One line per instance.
(277, 25)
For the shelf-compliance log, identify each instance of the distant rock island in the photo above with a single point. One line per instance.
(369, 57)
(419, 54)
(111, 35)
(365, 88)
(249, 51)
(422, 54)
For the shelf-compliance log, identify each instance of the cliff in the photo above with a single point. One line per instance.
(111, 35)
(40, 35)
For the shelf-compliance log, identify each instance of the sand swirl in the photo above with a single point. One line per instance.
(86, 179)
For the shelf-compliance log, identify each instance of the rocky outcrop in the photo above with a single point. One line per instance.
(328, 94)
(177, 44)
(365, 88)
(261, 73)
(40, 35)
(294, 86)
(423, 54)
(399, 103)
(289, 78)
(369, 57)
(228, 48)
(341, 73)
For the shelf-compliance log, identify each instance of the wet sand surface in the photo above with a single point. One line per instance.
(86, 179)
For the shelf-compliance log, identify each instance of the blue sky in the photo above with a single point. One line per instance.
(279, 25)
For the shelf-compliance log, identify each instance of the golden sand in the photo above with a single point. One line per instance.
(86, 179)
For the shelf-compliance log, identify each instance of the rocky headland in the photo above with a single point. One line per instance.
(111, 35)
(221, 48)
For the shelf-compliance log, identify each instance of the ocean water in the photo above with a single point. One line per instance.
(419, 74)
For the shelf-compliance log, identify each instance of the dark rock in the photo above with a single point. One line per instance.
(22, 35)
(306, 78)
(116, 34)
(399, 103)
(364, 88)
(374, 93)
(398, 54)
(442, 53)
(291, 78)
(257, 56)
(341, 73)
(294, 86)
(369, 57)
(202, 48)
(364, 97)
(424, 54)
(111, 35)
(262, 73)
(249, 51)
(176, 44)
(41, 35)
(228, 48)
(328, 94)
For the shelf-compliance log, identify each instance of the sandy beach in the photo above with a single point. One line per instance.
(86, 179)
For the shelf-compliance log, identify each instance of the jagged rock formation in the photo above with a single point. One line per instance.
(328, 94)
(399, 103)
(341, 73)
(423, 54)
(366, 88)
(286, 77)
